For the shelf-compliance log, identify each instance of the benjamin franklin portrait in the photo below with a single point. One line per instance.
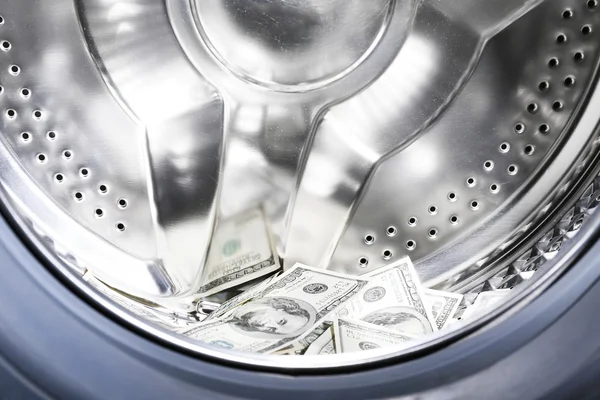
(274, 317)
(402, 319)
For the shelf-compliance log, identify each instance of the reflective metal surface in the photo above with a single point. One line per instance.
(367, 130)
(292, 45)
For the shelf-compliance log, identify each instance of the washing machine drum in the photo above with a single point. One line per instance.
(291, 198)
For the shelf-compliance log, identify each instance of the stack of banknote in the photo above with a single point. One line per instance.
(308, 311)
(304, 311)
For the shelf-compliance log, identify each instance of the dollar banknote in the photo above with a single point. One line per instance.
(352, 336)
(443, 305)
(285, 351)
(321, 331)
(484, 303)
(323, 345)
(393, 298)
(241, 250)
(240, 299)
(285, 310)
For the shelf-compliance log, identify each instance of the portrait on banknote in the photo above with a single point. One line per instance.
(274, 317)
(400, 318)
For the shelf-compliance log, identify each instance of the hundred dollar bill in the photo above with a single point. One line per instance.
(240, 299)
(286, 309)
(443, 305)
(485, 302)
(351, 336)
(323, 345)
(227, 294)
(153, 313)
(241, 250)
(394, 299)
(318, 334)
(286, 351)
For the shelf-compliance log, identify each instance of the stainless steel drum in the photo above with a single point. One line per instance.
(460, 133)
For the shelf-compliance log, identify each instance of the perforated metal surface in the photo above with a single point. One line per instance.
(448, 131)
(80, 149)
(506, 123)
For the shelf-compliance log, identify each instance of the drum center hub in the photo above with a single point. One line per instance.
(291, 45)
